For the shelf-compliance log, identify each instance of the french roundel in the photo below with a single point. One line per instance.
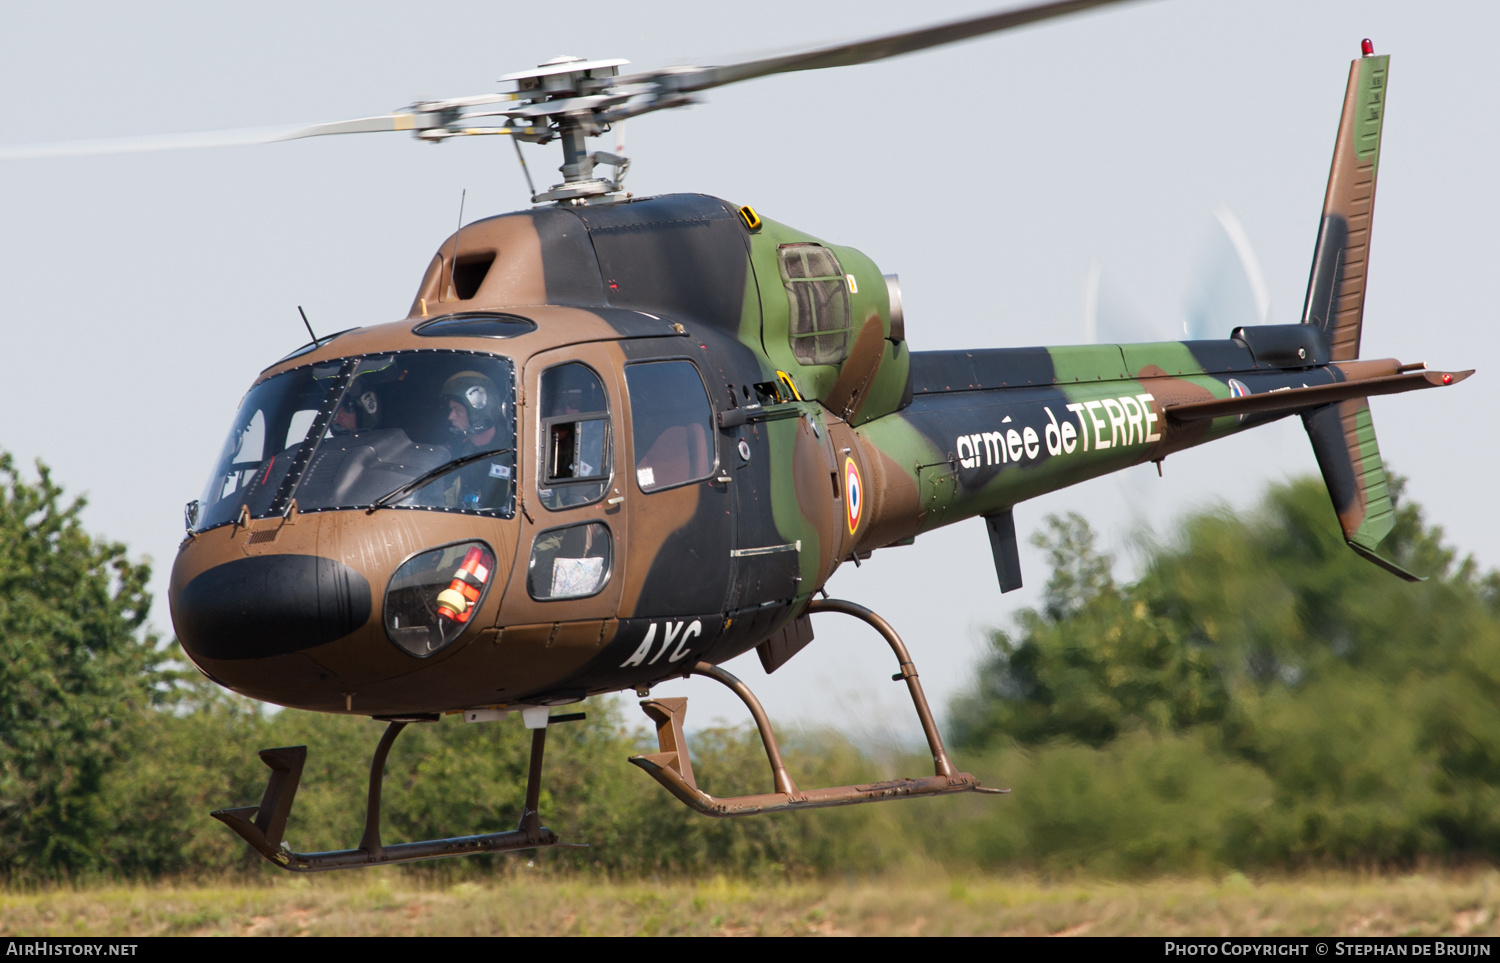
(854, 493)
(1238, 389)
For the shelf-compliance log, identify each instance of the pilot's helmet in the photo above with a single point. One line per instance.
(478, 396)
(359, 410)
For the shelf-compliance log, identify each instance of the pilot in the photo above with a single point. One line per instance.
(357, 411)
(475, 414)
(472, 411)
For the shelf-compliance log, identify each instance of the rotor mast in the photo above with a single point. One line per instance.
(571, 99)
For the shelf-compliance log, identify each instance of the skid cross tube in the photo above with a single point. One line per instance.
(672, 768)
(370, 840)
(269, 818)
(783, 782)
(940, 762)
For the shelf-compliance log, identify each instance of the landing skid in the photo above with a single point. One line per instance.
(674, 770)
(263, 826)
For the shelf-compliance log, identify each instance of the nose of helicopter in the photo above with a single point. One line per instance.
(320, 611)
(268, 605)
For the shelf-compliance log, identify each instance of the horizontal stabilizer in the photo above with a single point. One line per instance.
(1294, 399)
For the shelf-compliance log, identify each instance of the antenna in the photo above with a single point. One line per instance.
(308, 324)
(453, 261)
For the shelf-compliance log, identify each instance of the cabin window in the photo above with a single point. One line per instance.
(574, 412)
(570, 563)
(671, 422)
(817, 302)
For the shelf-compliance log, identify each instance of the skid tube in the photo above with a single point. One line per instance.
(674, 770)
(263, 826)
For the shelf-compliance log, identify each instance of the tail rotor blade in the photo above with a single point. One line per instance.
(1227, 288)
(1248, 261)
(1111, 318)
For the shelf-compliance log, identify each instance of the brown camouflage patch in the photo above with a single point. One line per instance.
(849, 390)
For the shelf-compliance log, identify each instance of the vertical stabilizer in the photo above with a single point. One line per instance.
(1336, 288)
(1343, 434)
(1343, 438)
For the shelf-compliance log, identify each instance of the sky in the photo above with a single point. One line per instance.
(148, 290)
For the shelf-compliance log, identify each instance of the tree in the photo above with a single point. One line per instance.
(76, 669)
(1096, 660)
(1368, 707)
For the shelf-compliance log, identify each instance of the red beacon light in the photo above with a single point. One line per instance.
(1366, 47)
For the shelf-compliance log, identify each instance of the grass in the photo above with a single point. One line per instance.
(385, 903)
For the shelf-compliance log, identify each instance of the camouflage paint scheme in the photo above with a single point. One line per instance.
(845, 459)
(1344, 436)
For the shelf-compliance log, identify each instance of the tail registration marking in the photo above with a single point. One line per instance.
(679, 632)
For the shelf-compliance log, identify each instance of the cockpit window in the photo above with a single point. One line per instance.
(414, 429)
(258, 454)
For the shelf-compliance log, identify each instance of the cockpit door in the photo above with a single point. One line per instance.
(571, 559)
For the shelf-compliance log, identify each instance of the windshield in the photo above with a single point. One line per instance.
(349, 433)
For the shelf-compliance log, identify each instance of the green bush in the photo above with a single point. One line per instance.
(1350, 718)
(1259, 698)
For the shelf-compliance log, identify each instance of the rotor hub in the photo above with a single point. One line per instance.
(573, 99)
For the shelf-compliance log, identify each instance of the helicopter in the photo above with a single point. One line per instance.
(334, 564)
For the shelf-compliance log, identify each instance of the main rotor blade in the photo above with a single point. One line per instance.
(864, 51)
(143, 143)
(669, 87)
(425, 117)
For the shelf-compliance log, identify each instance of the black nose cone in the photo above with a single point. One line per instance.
(270, 605)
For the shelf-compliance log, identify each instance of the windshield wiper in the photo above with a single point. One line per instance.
(426, 477)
